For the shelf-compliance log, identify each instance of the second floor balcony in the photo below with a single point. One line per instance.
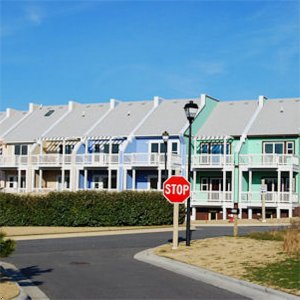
(211, 197)
(270, 197)
(269, 160)
(152, 160)
(97, 159)
(212, 160)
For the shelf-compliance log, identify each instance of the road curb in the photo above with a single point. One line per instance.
(28, 291)
(241, 287)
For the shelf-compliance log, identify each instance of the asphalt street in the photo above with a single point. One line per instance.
(103, 268)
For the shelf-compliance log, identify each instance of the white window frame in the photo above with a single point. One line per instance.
(292, 148)
(12, 179)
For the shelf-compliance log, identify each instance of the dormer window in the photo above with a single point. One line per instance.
(49, 113)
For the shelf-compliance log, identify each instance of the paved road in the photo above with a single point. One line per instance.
(104, 268)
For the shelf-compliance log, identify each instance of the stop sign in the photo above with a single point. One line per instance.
(176, 189)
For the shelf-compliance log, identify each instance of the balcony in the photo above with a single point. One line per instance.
(269, 160)
(13, 160)
(151, 160)
(54, 160)
(97, 159)
(211, 197)
(270, 197)
(212, 160)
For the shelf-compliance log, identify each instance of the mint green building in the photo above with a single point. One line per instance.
(244, 151)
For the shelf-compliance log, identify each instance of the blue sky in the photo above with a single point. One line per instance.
(55, 51)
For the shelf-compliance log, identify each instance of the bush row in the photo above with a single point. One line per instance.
(87, 208)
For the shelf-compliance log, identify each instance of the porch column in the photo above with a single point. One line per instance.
(125, 179)
(224, 185)
(109, 179)
(278, 186)
(40, 178)
(290, 187)
(133, 179)
(19, 179)
(224, 212)
(250, 213)
(250, 181)
(193, 216)
(240, 185)
(85, 175)
(159, 178)
(290, 212)
(277, 212)
(194, 180)
(62, 178)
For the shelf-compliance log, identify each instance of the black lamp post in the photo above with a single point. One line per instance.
(190, 109)
(165, 137)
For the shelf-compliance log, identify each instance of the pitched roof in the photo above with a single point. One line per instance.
(278, 117)
(228, 118)
(122, 119)
(10, 119)
(36, 123)
(2, 115)
(79, 120)
(169, 116)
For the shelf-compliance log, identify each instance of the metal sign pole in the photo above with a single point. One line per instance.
(263, 200)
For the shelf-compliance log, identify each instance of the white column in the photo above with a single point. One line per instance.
(133, 179)
(250, 180)
(125, 171)
(62, 178)
(85, 175)
(224, 185)
(290, 212)
(224, 213)
(159, 178)
(290, 187)
(194, 180)
(109, 178)
(278, 212)
(19, 179)
(40, 178)
(193, 216)
(278, 186)
(250, 213)
(240, 185)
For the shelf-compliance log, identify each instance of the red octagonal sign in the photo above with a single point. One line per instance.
(176, 189)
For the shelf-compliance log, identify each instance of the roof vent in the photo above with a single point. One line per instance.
(128, 113)
(49, 113)
(83, 114)
(281, 109)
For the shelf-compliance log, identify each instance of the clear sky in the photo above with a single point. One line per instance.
(91, 51)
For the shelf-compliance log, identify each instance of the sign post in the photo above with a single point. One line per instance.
(176, 190)
(263, 200)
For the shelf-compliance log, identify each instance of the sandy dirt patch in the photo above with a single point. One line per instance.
(227, 255)
(8, 289)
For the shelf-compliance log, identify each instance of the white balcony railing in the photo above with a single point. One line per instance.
(51, 159)
(215, 197)
(151, 159)
(270, 197)
(212, 160)
(97, 159)
(13, 160)
(269, 160)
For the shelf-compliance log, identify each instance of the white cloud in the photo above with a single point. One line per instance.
(34, 15)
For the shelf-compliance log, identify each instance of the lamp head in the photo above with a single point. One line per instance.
(165, 136)
(191, 109)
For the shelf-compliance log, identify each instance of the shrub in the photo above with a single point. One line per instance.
(7, 246)
(87, 208)
(291, 243)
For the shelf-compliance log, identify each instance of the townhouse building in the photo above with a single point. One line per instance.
(238, 147)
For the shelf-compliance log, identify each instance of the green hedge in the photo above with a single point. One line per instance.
(87, 208)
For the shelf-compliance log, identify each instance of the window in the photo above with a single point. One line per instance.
(290, 148)
(21, 149)
(204, 148)
(214, 148)
(163, 148)
(115, 148)
(154, 148)
(69, 148)
(97, 148)
(106, 148)
(174, 147)
(204, 184)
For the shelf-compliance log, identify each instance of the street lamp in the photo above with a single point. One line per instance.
(190, 109)
(165, 137)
